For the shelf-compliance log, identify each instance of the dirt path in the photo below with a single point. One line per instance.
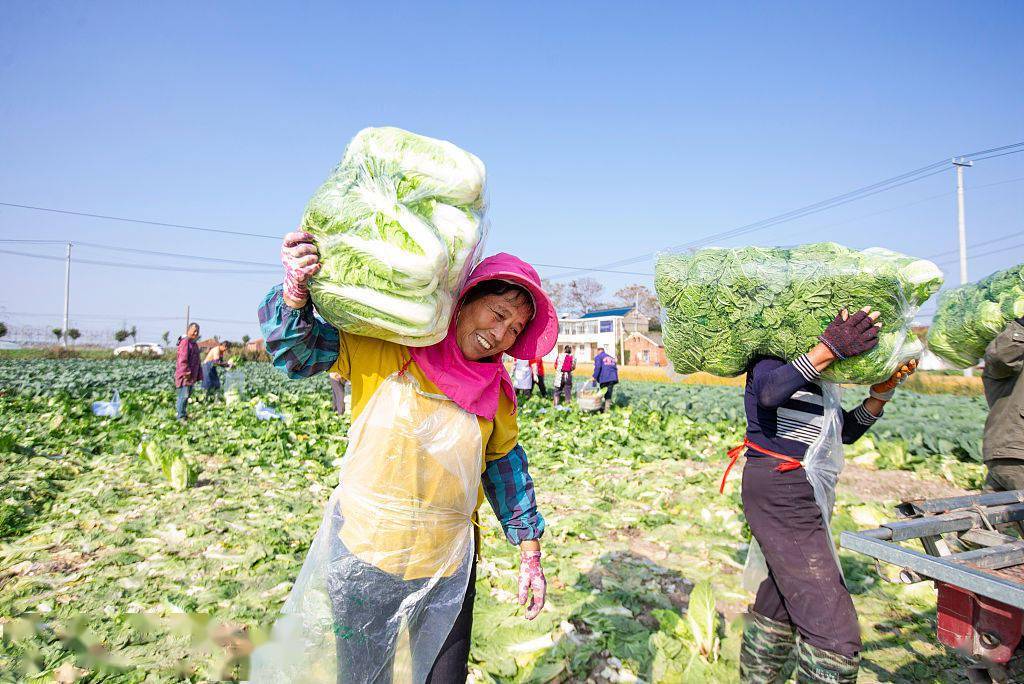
(883, 486)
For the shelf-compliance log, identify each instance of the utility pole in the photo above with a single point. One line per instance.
(188, 320)
(961, 227)
(960, 224)
(67, 293)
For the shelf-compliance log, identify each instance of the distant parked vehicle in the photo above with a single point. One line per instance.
(142, 348)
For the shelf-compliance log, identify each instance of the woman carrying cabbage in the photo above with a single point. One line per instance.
(386, 592)
(803, 602)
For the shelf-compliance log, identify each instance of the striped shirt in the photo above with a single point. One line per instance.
(785, 411)
(303, 345)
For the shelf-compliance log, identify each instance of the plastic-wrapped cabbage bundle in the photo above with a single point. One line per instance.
(723, 307)
(970, 316)
(399, 225)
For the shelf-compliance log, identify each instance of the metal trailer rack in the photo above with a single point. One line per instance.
(978, 570)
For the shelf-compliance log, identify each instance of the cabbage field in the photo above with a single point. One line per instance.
(108, 573)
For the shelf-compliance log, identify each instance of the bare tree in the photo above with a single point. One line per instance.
(74, 333)
(557, 292)
(584, 295)
(642, 297)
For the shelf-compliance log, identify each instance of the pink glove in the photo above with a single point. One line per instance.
(531, 576)
(301, 262)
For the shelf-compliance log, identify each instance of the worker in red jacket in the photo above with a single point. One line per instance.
(187, 371)
(538, 376)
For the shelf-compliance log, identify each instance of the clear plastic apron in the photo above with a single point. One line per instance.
(386, 575)
(822, 464)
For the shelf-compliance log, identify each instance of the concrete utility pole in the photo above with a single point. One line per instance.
(961, 225)
(67, 293)
(187, 319)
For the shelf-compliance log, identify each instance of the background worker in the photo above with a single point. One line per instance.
(606, 374)
(538, 376)
(566, 365)
(187, 370)
(1003, 442)
(214, 359)
(522, 380)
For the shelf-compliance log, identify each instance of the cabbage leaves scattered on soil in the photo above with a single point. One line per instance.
(398, 224)
(723, 307)
(970, 316)
(101, 552)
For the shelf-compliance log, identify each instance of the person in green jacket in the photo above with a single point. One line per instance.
(1003, 445)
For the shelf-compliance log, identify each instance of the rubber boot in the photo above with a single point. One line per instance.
(767, 645)
(818, 666)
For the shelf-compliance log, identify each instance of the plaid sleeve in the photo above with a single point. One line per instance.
(509, 489)
(298, 342)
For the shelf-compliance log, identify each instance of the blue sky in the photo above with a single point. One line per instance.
(609, 130)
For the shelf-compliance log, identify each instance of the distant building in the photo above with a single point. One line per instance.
(254, 345)
(208, 343)
(606, 328)
(645, 349)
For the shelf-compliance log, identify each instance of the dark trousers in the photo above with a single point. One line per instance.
(1004, 474)
(565, 391)
(539, 383)
(804, 586)
(608, 387)
(338, 396)
(362, 624)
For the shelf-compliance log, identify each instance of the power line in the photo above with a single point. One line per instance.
(978, 244)
(984, 254)
(162, 224)
(134, 250)
(823, 205)
(786, 217)
(147, 267)
(119, 317)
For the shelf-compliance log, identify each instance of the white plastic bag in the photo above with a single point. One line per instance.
(264, 412)
(234, 386)
(110, 409)
(822, 465)
(386, 575)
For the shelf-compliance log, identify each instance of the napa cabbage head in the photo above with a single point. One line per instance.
(398, 225)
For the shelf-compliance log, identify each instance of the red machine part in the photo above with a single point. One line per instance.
(976, 625)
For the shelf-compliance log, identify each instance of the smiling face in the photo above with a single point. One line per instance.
(489, 325)
(193, 332)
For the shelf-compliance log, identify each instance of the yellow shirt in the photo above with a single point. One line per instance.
(366, 362)
(396, 541)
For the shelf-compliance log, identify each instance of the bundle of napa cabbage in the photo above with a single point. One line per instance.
(970, 316)
(399, 225)
(723, 307)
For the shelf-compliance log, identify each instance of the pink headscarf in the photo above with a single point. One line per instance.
(476, 385)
